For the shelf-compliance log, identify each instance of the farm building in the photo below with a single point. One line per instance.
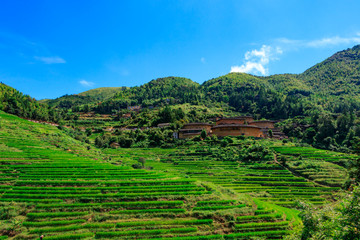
(235, 120)
(234, 126)
(263, 123)
(194, 129)
(224, 130)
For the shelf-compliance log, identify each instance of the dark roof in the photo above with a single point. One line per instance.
(184, 130)
(197, 133)
(263, 121)
(197, 123)
(233, 118)
(235, 125)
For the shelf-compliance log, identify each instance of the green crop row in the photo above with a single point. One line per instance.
(161, 210)
(86, 173)
(282, 179)
(206, 237)
(29, 200)
(246, 235)
(103, 196)
(115, 204)
(55, 191)
(260, 212)
(87, 183)
(112, 225)
(278, 183)
(259, 225)
(101, 188)
(143, 232)
(173, 222)
(213, 208)
(7, 179)
(70, 177)
(52, 223)
(58, 229)
(258, 217)
(55, 214)
(220, 202)
(70, 236)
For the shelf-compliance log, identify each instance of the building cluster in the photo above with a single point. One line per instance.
(234, 126)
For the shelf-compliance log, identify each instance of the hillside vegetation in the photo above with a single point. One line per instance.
(109, 171)
(327, 85)
(93, 95)
(15, 102)
(234, 188)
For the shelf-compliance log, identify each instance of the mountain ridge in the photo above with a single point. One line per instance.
(342, 67)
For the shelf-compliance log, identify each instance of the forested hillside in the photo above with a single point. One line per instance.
(75, 100)
(320, 107)
(169, 90)
(14, 102)
(338, 75)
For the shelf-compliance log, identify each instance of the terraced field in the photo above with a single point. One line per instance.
(321, 166)
(266, 181)
(77, 194)
(55, 186)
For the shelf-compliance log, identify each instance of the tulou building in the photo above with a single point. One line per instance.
(234, 126)
(194, 129)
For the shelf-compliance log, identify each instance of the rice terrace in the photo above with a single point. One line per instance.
(92, 148)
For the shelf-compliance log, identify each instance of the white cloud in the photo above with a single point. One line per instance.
(86, 83)
(50, 60)
(203, 60)
(324, 42)
(256, 61)
(318, 43)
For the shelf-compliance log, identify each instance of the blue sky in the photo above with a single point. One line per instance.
(52, 48)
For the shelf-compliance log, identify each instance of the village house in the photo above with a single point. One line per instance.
(234, 126)
(194, 129)
(224, 130)
(235, 120)
(263, 123)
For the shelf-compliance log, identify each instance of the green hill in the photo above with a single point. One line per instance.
(15, 102)
(87, 97)
(168, 90)
(338, 75)
(327, 85)
(102, 93)
(333, 82)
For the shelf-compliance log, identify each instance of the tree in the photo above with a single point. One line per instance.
(354, 173)
(350, 220)
(88, 131)
(203, 134)
(142, 161)
(166, 115)
(356, 145)
(270, 132)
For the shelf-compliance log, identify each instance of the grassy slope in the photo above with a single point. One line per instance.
(22, 141)
(40, 166)
(87, 97)
(102, 93)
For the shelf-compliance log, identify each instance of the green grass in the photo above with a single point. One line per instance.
(55, 185)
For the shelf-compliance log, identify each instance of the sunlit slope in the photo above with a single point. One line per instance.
(53, 185)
